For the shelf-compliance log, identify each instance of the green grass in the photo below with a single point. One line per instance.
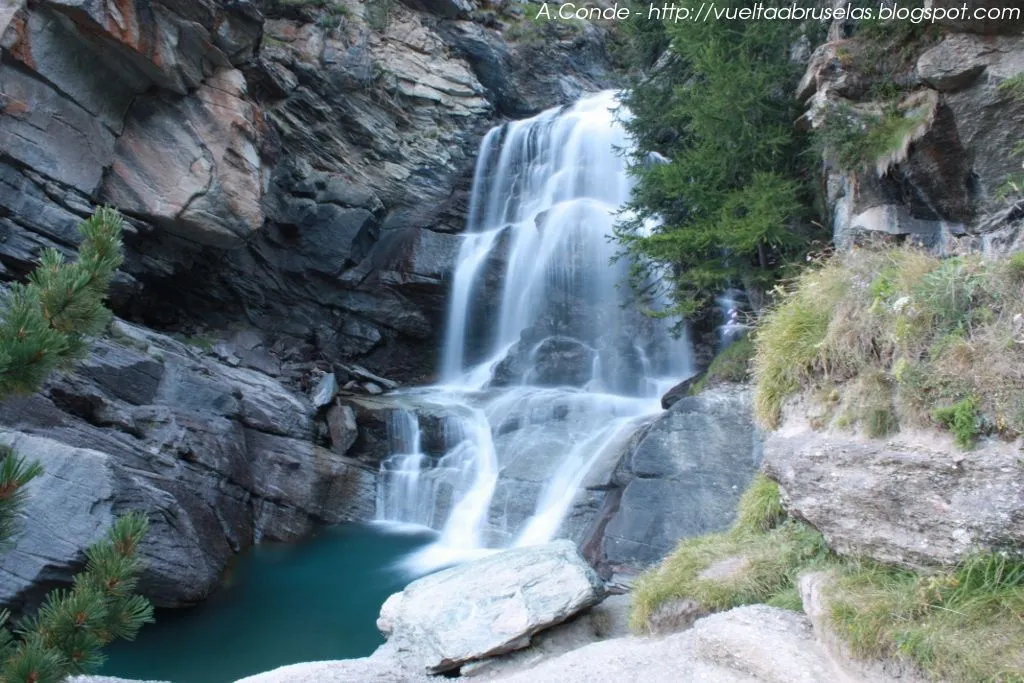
(760, 508)
(897, 337)
(769, 550)
(732, 364)
(964, 624)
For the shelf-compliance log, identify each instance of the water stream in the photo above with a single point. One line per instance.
(545, 371)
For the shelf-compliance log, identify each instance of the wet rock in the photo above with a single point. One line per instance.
(913, 499)
(487, 607)
(679, 391)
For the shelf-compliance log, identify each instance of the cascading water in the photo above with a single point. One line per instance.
(544, 371)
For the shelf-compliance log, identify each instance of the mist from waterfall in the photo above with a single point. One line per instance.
(544, 369)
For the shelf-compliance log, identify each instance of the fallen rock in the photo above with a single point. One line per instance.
(607, 619)
(487, 607)
(913, 499)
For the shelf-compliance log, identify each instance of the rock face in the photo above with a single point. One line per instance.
(487, 607)
(192, 165)
(683, 478)
(219, 458)
(913, 499)
(299, 168)
(944, 187)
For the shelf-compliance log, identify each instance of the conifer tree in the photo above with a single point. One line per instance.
(44, 323)
(730, 207)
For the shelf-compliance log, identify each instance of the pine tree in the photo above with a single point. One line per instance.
(43, 326)
(730, 207)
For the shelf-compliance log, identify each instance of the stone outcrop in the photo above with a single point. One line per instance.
(943, 187)
(683, 478)
(912, 499)
(487, 607)
(218, 457)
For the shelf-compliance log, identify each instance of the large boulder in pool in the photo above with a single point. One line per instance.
(487, 607)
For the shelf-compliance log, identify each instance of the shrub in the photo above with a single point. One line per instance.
(962, 419)
(856, 140)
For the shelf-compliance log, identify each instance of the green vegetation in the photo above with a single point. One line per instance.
(763, 553)
(961, 418)
(1013, 87)
(958, 624)
(962, 624)
(898, 337)
(856, 140)
(378, 14)
(732, 364)
(730, 207)
(43, 326)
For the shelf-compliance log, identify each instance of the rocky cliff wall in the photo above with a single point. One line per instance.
(295, 167)
(951, 178)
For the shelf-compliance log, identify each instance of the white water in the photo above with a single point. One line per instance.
(545, 373)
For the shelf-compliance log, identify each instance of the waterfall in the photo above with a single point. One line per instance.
(544, 369)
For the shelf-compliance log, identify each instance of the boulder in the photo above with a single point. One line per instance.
(684, 478)
(487, 607)
(913, 499)
(679, 391)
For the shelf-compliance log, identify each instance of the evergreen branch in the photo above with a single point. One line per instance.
(15, 473)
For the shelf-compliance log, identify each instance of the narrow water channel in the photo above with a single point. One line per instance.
(285, 604)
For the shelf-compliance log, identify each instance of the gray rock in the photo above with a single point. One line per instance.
(487, 607)
(607, 619)
(193, 165)
(325, 390)
(449, 9)
(685, 477)
(219, 458)
(913, 499)
(747, 644)
(814, 588)
(953, 64)
(343, 429)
